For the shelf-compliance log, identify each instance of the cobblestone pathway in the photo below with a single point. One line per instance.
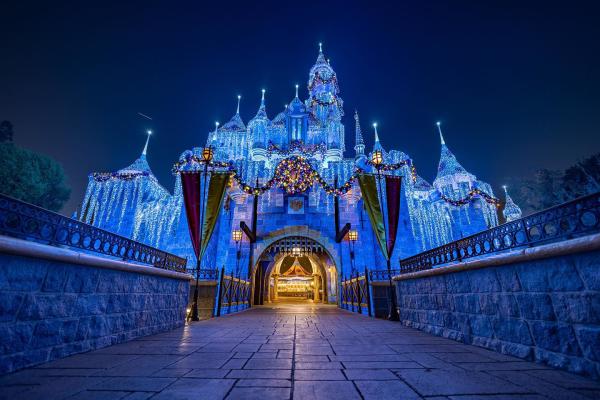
(294, 351)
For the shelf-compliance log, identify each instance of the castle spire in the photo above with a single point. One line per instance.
(511, 210)
(262, 99)
(439, 126)
(377, 145)
(145, 151)
(237, 111)
(359, 146)
(216, 128)
(449, 165)
(296, 90)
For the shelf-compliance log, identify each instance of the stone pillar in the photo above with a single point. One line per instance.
(275, 286)
(316, 288)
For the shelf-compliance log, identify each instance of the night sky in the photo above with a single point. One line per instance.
(515, 85)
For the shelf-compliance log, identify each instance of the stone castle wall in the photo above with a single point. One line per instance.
(51, 307)
(536, 308)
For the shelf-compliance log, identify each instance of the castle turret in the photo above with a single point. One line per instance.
(326, 107)
(359, 147)
(296, 120)
(450, 173)
(257, 127)
(511, 210)
(232, 137)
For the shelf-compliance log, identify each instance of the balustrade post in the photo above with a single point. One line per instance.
(368, 291)
(220, 292)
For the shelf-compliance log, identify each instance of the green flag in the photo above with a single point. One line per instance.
(368, 188)
(214, 201)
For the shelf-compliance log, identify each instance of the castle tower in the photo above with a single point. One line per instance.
(359, 147)
(326, 106)
(257, 128)
(511, 210)
(450, 174)
(296, 120)
(233, 137)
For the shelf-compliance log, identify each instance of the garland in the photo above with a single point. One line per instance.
(322, 103)
(394, 167)
(295, 175)
(318, 79)
(126, 176)
(194, 159)
(470, 196)
(296, 146)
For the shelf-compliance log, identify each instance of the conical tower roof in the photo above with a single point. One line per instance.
(140, 165)
(261, 114)
(448, 164)
(511, 210)
(235, 124)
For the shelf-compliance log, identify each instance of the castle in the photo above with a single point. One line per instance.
(131, 201)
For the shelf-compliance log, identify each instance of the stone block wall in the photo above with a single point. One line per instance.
(51, 309)
(546, 310)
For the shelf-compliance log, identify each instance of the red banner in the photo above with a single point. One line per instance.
(190, 183)
(392, 193)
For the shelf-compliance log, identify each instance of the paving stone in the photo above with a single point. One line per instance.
(380, 364)
(369, 374)
(497, 397)
(565, 379)
(207, 373)
(264, 383)
(318, 365)
(377, 357)
(377, 390)
(135, 384)
(259, 393)
(99, 395)
(319, 375)
(260, 373)
(190, 388)
(325, 390)
(217, 358)
(268, 364)
(447, 383)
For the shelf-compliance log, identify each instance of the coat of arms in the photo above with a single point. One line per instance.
(296, 205)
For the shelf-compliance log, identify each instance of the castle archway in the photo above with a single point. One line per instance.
(294, 268)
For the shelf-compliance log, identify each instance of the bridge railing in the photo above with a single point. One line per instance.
(233, 294)
(26, 221)
(355, 295)
(377, 275)
(206, 274)
(572, 219)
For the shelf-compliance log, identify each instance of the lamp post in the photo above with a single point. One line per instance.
(352, 238)
(377, 161)
(236, 234)
(207, 156)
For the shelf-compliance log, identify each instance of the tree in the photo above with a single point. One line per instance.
(32, 177)
(547, 188)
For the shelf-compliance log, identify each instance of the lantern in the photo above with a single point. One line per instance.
(207, 154)
(353, 236)
(377, 158)
(236, 234)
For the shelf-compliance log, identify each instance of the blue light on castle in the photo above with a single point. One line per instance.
(131, 201)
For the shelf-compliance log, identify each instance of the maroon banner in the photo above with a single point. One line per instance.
(392, 193)
(190, 183)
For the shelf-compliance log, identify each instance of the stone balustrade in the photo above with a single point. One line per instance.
(540, 304)
(55, 302)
